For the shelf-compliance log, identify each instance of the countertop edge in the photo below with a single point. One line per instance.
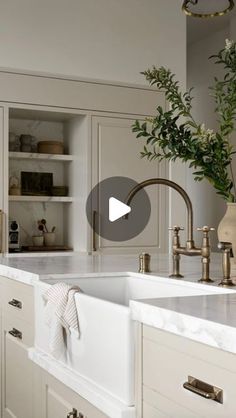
(211, 333)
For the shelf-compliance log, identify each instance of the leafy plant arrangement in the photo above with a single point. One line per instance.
(42, 226)
(174, 134)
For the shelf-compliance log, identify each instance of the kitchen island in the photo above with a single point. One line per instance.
(205, 318)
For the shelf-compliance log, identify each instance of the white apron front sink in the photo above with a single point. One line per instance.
(104, 354)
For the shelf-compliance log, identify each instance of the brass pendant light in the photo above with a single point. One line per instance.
(188, 12)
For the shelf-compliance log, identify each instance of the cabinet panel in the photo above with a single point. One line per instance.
(58, 400)
(167, 365)
(158, 406)
(1, 155)
(50, 91)
(17, 370)
(116, 152)
(57, 406)
(150, 412)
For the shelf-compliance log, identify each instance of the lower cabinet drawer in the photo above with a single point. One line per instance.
(156, 405)
(167, 364)
(150, 412)
(18, 299)
(18, 330)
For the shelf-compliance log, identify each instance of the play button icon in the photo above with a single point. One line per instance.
(117, 209)
(106, 207)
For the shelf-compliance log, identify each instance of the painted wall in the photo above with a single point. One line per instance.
(102, 39)
(233, 28)
(208, 207)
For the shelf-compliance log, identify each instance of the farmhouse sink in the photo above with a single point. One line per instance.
(104, 354)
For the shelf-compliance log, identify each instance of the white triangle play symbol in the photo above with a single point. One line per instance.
(117, 209)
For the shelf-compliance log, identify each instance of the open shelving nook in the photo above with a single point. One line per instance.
(68, 169)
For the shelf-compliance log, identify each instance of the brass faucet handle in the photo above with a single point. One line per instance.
(225, 246)
(206, 229)
(176, 229)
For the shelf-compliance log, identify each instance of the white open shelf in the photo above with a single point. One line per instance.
(63, 212)
(48, 199)
(38, 156)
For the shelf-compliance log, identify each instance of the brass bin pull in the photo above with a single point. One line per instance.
(74, 414)
(204, 389)
(16, 303)
(15, 333)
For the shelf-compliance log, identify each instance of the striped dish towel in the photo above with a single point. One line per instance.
(61, 316)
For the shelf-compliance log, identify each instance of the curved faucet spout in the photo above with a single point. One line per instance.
(174, 186)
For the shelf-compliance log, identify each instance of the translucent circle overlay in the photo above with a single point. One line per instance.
(97, 209)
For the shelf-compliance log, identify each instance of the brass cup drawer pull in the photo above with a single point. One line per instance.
(74, 414)
(16, 303)
(204, 389)
(15, 333)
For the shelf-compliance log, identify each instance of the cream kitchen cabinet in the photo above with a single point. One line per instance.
(17, 390)
(93, 121)
(167, 362)
(17, 336)
(116, 152)
(28, 391)
(55, 400)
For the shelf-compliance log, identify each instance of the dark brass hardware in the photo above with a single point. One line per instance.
(176, 257)
(204, 389)
(144, 263)
(16, 303)
(206, 252)
(73, 414)
(15, 333)
(226, 248)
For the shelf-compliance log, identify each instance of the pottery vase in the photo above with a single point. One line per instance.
(38, 240)
(227, 227)
(49, 238)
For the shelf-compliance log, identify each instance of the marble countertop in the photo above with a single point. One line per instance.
(209, 319)
(28, 269)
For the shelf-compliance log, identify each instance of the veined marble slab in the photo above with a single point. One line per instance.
(14, 273)
(209, 319)
(34, 267)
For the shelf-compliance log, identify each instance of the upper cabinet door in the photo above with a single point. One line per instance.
(116, 152)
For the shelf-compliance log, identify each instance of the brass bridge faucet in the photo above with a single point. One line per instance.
(177, 249)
